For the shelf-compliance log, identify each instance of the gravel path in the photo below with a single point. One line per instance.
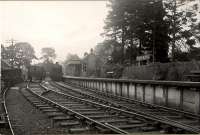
(25, 118)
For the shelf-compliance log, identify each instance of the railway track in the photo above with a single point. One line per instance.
(104, 118)
(5, 124)
(184, 121)
(63, 117)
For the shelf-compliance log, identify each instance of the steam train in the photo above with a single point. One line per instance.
(35, 73)
(12, 76)
(53, 71)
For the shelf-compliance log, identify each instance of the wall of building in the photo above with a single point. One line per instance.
(73, 69)
(92, 65)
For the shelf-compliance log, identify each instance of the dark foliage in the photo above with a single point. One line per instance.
(138, 26)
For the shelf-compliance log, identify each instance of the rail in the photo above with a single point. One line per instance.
(6, 111)
(175, 94)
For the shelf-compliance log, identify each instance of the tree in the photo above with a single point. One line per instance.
(152, 30)
(24, 53)
(138, 21)
(184, 31)
(155, 27)
(48, 54)
(105, 49)
(21, 53)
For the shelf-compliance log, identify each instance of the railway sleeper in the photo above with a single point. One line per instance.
(81, 107)
(36, 103)
(30, 97)
(174, 117)
(66, 102)
(54, 114)
(50, 110)
(61, 118)
(79, 130)
(103, 130)
(76, 106)
(112, 120)
(70, 123)
(41, 105)
(162, 114)
(149, 128)
(91, 113)
(96, 117)
(189, 121)
(128, 126)
(169, 129)
(45, 107)
(84, 109)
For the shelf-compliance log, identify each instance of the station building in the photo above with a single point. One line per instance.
(91, 65)
(73, 67)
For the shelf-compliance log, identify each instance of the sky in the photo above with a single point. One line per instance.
(67, 26)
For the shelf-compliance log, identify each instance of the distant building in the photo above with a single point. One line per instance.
(91, 65)
(73, 68)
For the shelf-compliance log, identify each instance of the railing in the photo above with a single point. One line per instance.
(175, 94)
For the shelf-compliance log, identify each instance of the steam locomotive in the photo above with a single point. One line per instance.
(54, 71)
(12, 76)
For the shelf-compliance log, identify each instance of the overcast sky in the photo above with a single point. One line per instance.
(67, 26)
